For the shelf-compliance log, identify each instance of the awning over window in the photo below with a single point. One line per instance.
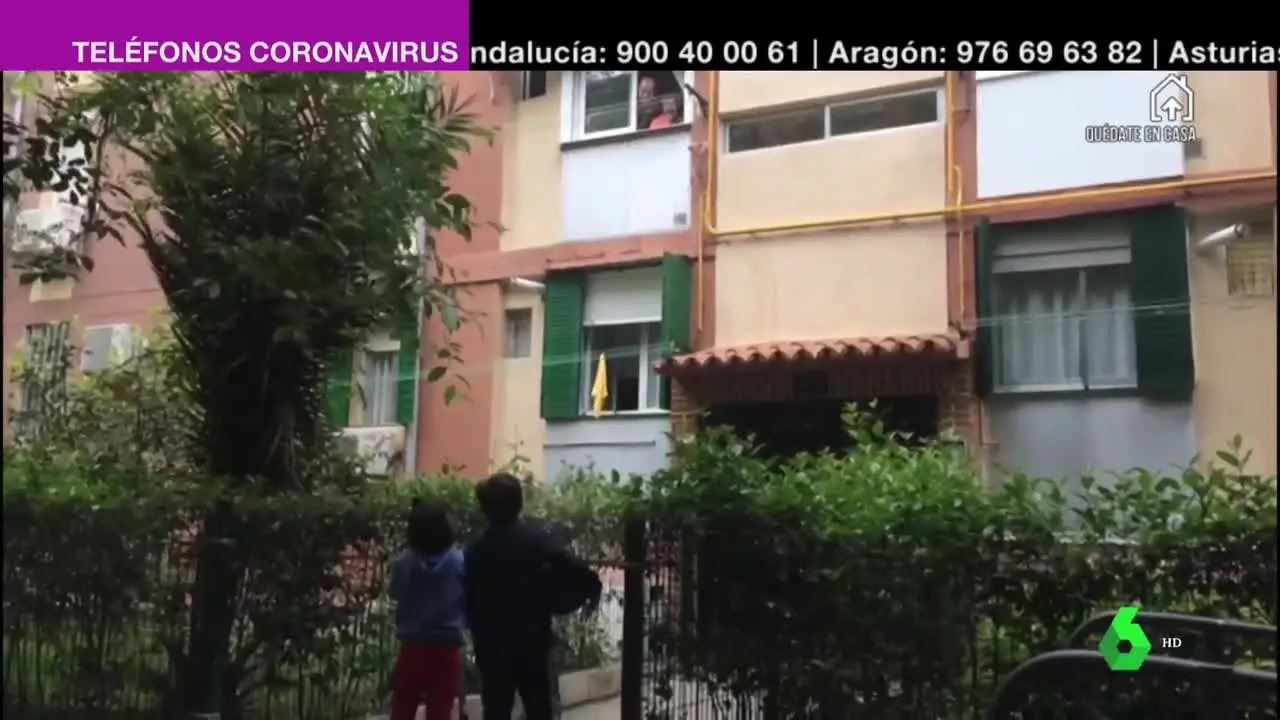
(942, 347)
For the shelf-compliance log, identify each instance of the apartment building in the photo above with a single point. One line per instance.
(964, 249)
(590, 177)
(1119, 336)
(103, 315)
(599, 257)
(953, 247)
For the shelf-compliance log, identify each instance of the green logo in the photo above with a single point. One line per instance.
(1124, 628)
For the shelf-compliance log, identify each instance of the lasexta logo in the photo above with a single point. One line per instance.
(1124, 629)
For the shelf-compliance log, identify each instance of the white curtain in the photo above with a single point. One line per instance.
(1065, 329)
(379, 388)
(1109, 339)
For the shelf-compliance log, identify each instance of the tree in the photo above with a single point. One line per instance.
(277, 211)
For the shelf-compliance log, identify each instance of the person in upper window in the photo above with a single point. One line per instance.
(667, 116)
(647, 105)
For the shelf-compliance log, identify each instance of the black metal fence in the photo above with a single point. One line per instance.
(722, 628)
(112, 642)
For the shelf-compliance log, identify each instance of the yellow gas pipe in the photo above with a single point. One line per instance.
(954, 202)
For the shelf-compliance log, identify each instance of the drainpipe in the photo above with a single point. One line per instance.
(411, 432)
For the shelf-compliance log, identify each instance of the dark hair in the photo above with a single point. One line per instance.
(429, 530)
(500, 498)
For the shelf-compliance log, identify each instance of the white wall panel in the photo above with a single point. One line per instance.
(1031, 132)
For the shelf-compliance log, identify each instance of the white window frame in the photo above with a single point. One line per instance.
(1086, 260)
(939, 97)
(591, 359)
(573, 108)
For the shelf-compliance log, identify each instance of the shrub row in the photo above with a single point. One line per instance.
(890, 578)
(886, 578)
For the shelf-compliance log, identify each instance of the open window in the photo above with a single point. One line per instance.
(621, 102)
(629, 351)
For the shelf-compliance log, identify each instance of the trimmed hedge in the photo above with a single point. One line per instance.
(886, 580)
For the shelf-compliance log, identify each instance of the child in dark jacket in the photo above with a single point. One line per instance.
(426, 586)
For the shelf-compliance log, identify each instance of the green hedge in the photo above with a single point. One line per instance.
(97, 585)
(888, 580)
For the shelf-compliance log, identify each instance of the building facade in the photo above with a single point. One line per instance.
(977, 253)
(978, 239)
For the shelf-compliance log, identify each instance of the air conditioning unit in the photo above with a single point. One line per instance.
(380, 448)
(43, 229)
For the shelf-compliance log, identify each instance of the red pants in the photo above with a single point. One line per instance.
(426, 674)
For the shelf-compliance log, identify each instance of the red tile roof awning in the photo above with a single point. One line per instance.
(947, 346)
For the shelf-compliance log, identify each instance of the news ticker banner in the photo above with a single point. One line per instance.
(235, 35)
(443, 35)
(919, 52)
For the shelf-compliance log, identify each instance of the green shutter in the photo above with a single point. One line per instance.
(985, 354)
(677, 315)
(338, 393)
(1161, 301)
(407, 380)
(562, 346)
(677, 295)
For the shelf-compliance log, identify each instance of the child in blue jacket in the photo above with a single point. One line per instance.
(426, 586)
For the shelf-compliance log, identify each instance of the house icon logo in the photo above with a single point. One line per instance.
(1172, 101)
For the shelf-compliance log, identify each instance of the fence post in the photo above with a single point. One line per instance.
(634, 563)
(212, 617)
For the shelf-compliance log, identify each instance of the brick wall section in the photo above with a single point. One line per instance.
(684, 411)
(951, 381)
(959, 407)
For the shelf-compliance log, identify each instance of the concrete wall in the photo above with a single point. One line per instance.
(1232, 113)
(518, 430)
(1032, 132)
(630, 186)
(1235, 348)
(625, 444)
(871, 281)
(1066, 437)
(747, 91)
(531, 189)
(875, 282)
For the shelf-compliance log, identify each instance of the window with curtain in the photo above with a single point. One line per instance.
(378, 387)
(1068, 328)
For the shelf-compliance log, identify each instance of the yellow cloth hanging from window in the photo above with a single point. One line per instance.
(600, 388)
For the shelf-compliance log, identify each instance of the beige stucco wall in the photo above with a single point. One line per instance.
(531, 171)
(1235, 353)
(875, 280)
(1232, 119)
(747, 90)
(870, 282)
(898, 170)
(518, 430)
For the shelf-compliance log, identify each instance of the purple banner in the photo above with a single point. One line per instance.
(235, 35)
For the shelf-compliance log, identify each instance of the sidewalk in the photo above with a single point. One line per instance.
(605, 710)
